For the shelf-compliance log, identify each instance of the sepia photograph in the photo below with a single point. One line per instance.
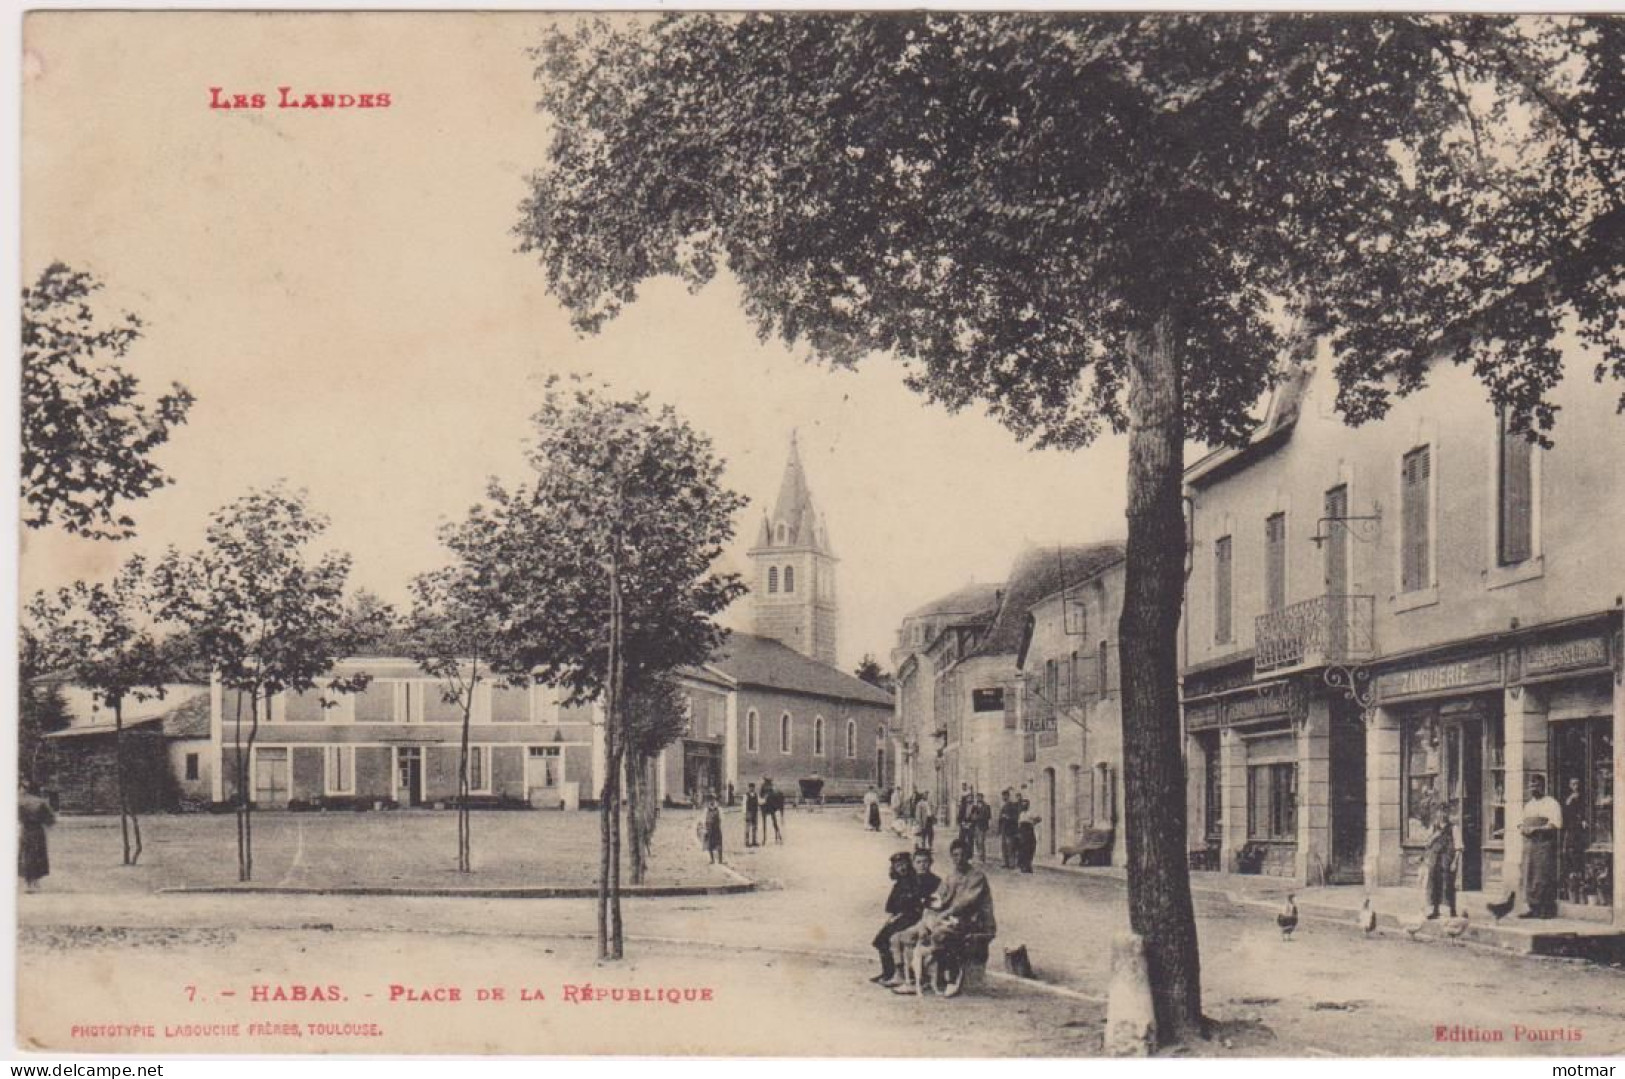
(821, 534)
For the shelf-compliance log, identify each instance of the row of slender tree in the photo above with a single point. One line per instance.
(594, 577)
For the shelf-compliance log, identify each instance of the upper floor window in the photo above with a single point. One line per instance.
(818, 736)
(852, 738)
(1221, 590)
(781, 532)
(1515, 497)
(789, 578)
(1416, 520)
(753, 732)
(1103, 660)
(784, 733)
(772, 578)
(1275, 561)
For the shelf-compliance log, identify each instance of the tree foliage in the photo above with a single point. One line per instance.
(102, 636)
(870, 670)
(999, 199)
(265, 614)
(87, 436)
(1103, 221)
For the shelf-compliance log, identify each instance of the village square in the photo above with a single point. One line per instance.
(1206, 639)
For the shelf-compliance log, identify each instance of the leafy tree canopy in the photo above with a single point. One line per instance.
(1005, 201)
(614, 478)
(87, 437)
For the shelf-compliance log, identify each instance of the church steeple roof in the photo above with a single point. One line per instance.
(795, 509)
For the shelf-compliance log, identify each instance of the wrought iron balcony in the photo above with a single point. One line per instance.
(1314, 633)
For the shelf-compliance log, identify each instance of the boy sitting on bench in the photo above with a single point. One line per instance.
(962, 909)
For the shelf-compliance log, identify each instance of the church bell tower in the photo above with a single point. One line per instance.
(793, 595)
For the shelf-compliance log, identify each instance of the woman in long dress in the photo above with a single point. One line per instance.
(713, 830)
(33, 856)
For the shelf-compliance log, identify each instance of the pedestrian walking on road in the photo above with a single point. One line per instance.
(981, 820)
(753, 810)
(33, 854)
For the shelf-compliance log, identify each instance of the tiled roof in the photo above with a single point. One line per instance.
(1038, 572)
(971, 599)
(190, 719)
(763, 662)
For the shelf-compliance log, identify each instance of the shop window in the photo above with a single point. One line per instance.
(1583, 779)
(1423, 781)
(1495, 774)
(1272, 801)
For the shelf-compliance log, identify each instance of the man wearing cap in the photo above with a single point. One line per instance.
(913, 885)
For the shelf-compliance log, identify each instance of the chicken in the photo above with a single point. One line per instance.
(1288, 918)
(1503, 908)
(1455, 927)
(1415, 927)
(1368, 917)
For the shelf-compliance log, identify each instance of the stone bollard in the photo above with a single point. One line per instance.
(1131, 1020)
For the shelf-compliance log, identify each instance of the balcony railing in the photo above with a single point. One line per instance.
(1314, 633)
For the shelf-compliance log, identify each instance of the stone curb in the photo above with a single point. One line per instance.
(740, 886)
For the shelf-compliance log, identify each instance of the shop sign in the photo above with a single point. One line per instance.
(1483, 672)
(1038, 724)
(1546, 657)
(1243, 709)
(1203, 715)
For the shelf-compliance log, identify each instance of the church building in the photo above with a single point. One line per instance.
(773, 703)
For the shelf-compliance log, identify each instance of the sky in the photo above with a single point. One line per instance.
(341, 292)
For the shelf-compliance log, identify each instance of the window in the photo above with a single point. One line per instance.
(1275, 561)
(772, 578)
(434, 707)
(852, 738)
(1221, 590)
(479, 777)
(303, 707)
(340, 778)
(753, 732)
(789, 578)
(376, 703)
(1103, 669)
(781, 532)
(191, 766)
(818, 736)
(1074, 687)
(1423, 754)
(784, 733)
(1272, 801)
(510, 704)
(1416, 502)
(1515, 497)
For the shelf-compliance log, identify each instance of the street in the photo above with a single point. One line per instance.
(784, 965)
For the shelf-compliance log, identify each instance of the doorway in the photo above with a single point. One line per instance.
(1347, 794)
(409, 775)
(270, 776)
(1049, 807)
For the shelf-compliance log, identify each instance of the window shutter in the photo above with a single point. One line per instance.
(1414, 520)
(1275, 561)
(1517, 516)
(1010, 707)
(1221, 590)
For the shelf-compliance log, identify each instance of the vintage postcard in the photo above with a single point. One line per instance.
(821, 534)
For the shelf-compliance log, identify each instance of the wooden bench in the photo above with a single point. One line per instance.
(1094, 847)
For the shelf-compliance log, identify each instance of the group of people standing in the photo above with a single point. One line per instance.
(1014, 822)
(1547, 827)
(762, 809)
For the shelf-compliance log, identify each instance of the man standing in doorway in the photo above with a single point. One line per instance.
(1541, 825)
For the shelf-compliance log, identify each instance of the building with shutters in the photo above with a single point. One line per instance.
(398, 741)
(1419, 613)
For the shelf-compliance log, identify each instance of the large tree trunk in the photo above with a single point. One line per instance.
(1159, 888)
(609, 870)
(635, 795)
